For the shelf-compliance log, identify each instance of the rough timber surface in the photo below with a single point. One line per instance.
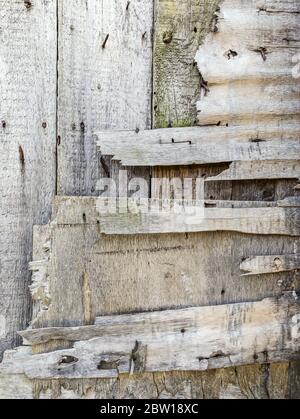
(27, 149)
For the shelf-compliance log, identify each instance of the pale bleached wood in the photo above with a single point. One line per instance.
(27, 149)
(259, 170)
(104, 82)
(259, 265)
(195, 339)
(236, 67)
(201, 145)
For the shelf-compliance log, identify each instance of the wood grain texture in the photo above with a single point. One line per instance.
(194, 146)
(273, 169)
(102, 85)
(180, 27)
(195, 339)
(243, 72)
(259, 265)
(133, 217)
(270, 381)
(27, 149)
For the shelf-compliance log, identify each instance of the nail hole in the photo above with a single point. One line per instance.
(44, 125)
(82, 126)
(67, 360)
(3, 124)
(28, 4)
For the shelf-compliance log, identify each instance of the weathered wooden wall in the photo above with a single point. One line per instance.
(106, 51)
(27, 149)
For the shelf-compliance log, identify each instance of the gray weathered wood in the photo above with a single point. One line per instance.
(27, 149)
(195, 339)
(155, 217)
(187, 146)
(259, 265)
(101, 85)
(273, 169)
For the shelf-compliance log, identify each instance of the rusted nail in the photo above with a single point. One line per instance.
(82, 126)
(144, 35)
(167, 37)
(204, 85)
(28, 4)
(105, 41)
(128, 4)
(3, 124)
(21, 155)
(58, 140)
(44, 125)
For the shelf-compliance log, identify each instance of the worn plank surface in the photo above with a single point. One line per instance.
(201, 145)
(271, 264)
(104, 82)
(27, 149)
(236, 67)
(271, 381)
(195, 339)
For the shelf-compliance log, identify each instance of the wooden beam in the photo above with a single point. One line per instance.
(198, 145)
(194, 339)
(118, 217)
(260, 265)
(252, 170)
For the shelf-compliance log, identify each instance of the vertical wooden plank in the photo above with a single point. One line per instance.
(27, 148)
(105, 81)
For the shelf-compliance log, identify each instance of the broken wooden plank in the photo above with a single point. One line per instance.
(273, 169)
(119, 217)
(259, 265)
(190, 146)
(195, 339)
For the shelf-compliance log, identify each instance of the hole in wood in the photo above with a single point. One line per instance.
(107, 365)
(68, 360)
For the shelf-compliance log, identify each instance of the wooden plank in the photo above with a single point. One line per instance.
(235, 67)
(195, 339)
(119, 217)
(273, 169)
(105, 81)
(188, 146)
(180, 27)
(27, 149)
(259, 265)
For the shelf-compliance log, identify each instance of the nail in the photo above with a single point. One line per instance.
(105, 41)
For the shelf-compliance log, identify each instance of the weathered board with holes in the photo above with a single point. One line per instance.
(195, 339)
(27, 149)
(270, 264)
(188, 146)
(104, 82)
(236, 67)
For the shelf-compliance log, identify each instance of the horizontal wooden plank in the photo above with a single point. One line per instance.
(194, 339)
(197, 145)
(130, 217)
(272, 169)
(260, 265)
